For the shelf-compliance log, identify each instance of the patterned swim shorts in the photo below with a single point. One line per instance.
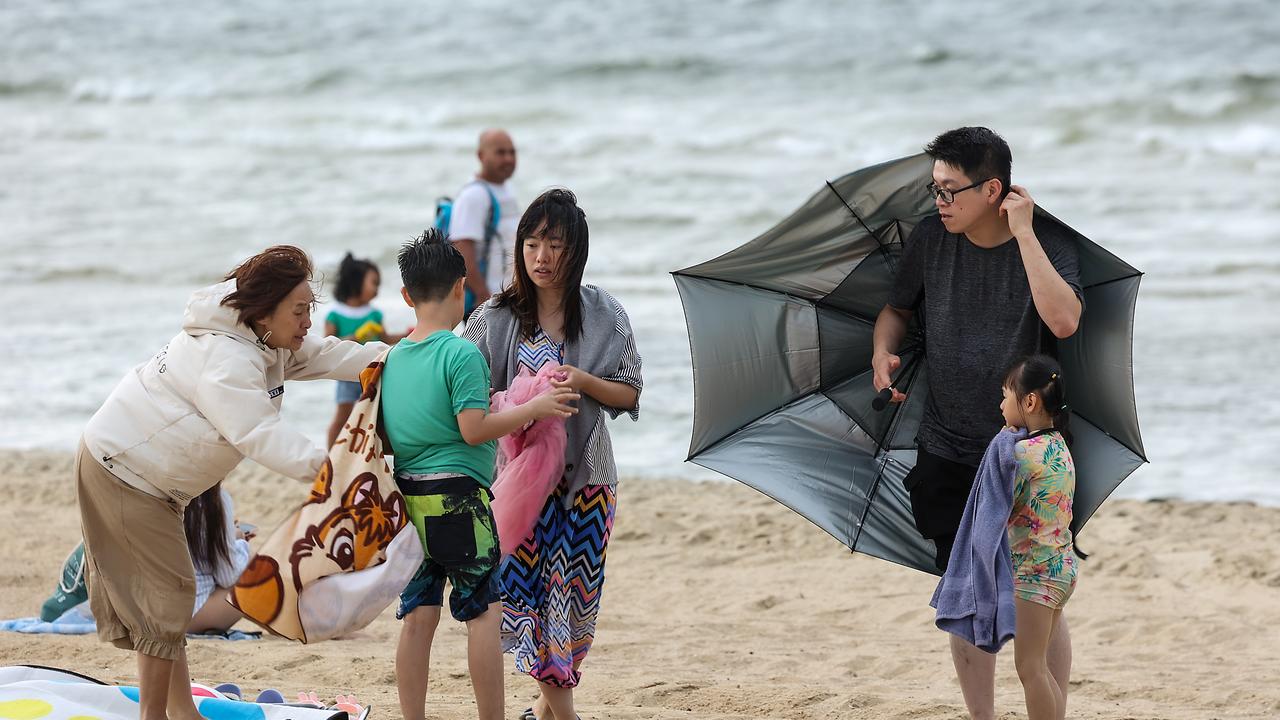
(1049, 583)
(459, 541)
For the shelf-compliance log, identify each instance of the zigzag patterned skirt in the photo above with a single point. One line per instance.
(551, 586)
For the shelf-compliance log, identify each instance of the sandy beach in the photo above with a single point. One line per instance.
(721, 604)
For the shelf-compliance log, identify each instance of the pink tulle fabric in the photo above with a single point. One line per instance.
(530, 461)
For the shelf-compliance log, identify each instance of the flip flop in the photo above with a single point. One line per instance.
(270, 696)
(529, 715)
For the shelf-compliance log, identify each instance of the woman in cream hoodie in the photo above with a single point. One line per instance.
(174, 427)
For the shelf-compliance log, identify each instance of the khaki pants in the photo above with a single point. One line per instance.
(142, 586)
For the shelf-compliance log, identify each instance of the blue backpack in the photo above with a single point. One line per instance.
(444, 214)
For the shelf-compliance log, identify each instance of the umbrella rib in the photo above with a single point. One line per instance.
(1112, 255)
(821, 302)
(750, 422)
(1136, 274)
(891, 431)
(1103, 430)
(883, 250)
(871, 495)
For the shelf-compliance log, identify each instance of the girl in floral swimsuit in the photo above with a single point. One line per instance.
(1044, 557)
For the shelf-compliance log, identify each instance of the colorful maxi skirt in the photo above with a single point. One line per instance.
(551, 586)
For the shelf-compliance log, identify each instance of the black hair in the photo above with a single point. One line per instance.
(978, 151)
(1042, 375)
(351, 275)
(430, 266)
(205, 524)
(554, 212)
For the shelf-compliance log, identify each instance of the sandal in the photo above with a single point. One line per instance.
(528, 714)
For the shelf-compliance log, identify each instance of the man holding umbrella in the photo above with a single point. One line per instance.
(991, 285)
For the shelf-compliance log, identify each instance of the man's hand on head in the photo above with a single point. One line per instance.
(1018, 207)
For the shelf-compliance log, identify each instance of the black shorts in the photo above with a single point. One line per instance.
(939, 490)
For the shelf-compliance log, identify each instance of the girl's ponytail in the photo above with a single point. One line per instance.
(1042, 375)
(1055, 399)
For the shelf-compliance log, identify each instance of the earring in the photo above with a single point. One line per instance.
(262, 341)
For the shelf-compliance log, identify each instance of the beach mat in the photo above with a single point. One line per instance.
(28, 691)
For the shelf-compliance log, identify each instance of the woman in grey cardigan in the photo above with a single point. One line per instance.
(551, 585)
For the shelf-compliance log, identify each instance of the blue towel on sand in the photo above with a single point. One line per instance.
(75, 621)
(34, 625)
(78, 621)
(974, 599)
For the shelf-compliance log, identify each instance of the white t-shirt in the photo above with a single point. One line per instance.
(470, 219)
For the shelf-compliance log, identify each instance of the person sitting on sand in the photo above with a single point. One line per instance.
(217, 557)
(219, 553)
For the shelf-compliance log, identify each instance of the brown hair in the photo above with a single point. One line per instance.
(266, 279)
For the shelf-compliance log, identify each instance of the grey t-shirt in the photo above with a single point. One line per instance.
(978, 317)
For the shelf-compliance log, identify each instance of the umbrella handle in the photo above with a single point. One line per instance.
(882, 399)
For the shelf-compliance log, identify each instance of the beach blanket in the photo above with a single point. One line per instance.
(531, 461)
(79, 621)
(30, 692)
(342, 557)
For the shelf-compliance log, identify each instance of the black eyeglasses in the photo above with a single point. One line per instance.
(949, 196)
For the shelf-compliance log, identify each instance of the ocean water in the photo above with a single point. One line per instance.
(145, 148)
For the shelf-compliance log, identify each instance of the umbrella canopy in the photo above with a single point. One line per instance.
(780, 331)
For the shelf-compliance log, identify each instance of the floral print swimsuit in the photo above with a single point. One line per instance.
(1044, 558)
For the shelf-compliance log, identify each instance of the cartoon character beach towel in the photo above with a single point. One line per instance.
(334, 564)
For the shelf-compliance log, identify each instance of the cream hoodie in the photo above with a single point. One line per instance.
(181, 421)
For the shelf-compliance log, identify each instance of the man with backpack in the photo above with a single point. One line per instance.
(481, 221)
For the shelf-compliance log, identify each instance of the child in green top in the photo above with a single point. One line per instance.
(353, 318)
(435, 410)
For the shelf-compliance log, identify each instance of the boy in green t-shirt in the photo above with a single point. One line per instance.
(435, 410)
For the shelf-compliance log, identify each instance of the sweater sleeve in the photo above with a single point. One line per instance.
(629, 364)
(331, 358)
(477, 330)
(230, 395)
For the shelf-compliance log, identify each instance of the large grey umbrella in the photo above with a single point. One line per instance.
(780, 331)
